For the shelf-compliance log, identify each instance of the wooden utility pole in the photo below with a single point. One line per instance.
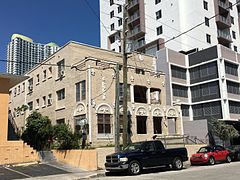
(117, 124)
(125, 83)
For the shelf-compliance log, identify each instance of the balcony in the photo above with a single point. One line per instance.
(138, 44)
(224, 5)
(223, 22)
(132, 5)
(134, 17)
(224, 37)
(136, 32)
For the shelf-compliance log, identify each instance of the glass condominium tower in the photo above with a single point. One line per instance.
(23, 54)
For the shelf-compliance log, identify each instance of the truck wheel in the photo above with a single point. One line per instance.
(228, 159)
(211, 161)
(134, 167)
(177, 163)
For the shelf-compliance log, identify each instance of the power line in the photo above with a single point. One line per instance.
(94, 12)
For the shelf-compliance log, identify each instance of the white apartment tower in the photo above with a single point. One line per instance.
(23, 53)
(151, 23)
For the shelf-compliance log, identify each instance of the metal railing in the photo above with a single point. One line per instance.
(136, 30)
(132, 3)
(224, 5)
(136, 15)
(224, 19)
(225, 35)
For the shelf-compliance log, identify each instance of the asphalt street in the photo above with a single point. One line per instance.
(217, 172)
(21, 172)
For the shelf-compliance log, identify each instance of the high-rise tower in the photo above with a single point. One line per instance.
(151, 23)
(23, 53)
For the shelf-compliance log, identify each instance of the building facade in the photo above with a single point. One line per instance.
(79, 89)
(206, 83)
(152, 23)
(23, 53)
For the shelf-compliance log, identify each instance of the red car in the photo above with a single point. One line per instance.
(210, 154)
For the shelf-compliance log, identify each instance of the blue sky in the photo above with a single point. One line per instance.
(58, 21)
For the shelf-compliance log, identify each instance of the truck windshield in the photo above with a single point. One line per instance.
(133, 147)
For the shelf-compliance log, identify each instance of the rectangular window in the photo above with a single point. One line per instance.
(207, 21)
(159, 30)
(30, 105)
(44, 101)
(208, 38)
(61, 94)
(205, 5)
(231, 68)
(80, 91)
(30, 85)
(23, 87)
(112, 27)
(60, 121)
(61, 68)
(50, 71)
(233, 87)
(234, 34)
(179, 91)
(157, 1)
(44, 75)
(111, 2)
(141, 125)
(157, 125)
(104, 125)
(159, 14)
(185, 110)
(232, 20)
(49, 100)
(234, 107)
(178, 72)
(119, 8)
(120, 22)
(111, 14)
(235, 48)
(38, 79)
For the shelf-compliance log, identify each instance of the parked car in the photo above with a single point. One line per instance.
(210, 155)
(234, 152)
(144, 155)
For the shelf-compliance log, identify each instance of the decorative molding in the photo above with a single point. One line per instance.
(141, 111)
(80, 109)
(172, 112)
(157, 112)
(104, 109)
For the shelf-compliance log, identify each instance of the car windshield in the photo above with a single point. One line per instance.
(204, 150)
(133, 147)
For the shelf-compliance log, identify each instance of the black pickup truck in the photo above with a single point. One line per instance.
(143, 155)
